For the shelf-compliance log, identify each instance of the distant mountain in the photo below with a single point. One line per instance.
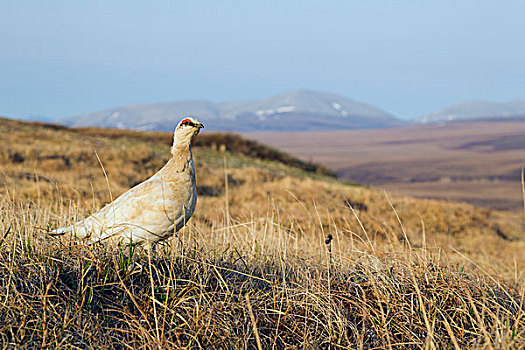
(297, 110)
(477, 110)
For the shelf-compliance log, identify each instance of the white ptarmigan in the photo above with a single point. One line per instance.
(154, 209)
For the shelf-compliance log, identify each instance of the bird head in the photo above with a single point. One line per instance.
(185, 131)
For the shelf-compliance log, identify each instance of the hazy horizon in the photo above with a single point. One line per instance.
(408, 58)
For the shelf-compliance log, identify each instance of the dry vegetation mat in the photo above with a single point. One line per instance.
(475, 162)
(274, 257)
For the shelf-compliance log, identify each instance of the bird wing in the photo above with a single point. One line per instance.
(148, 208)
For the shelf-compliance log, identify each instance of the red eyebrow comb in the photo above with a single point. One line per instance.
(186, 120)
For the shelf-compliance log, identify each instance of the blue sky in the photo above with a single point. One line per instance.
(62, 58)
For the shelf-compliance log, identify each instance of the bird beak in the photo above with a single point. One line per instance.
(200, 125)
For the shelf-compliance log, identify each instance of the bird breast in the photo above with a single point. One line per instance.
(179, 176)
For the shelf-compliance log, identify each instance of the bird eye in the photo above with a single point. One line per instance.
(187, 122)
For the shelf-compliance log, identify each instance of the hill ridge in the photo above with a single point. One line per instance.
(476, 109)
(299, 109)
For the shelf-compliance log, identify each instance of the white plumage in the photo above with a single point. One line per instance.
(154, 209)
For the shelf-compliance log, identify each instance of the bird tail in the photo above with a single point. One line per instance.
(60, 231)
(108, 233)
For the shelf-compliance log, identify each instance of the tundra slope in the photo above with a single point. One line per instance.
(255, 243)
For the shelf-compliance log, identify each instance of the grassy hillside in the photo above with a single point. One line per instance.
(478, 162)
(255, 265)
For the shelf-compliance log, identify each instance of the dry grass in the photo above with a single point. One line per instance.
(474, 162)
(253, 263)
